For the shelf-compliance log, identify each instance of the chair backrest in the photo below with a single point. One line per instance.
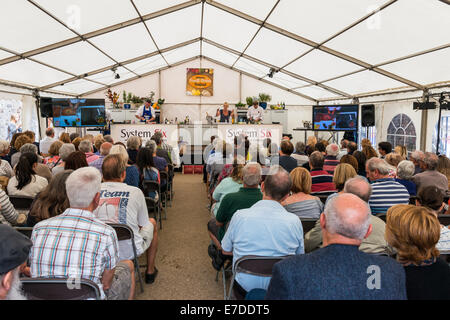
(412, 200)
(164, 177)
(123, 231)
(149, 186)
(21, 203)
(60, 289)
(444, 219)
(26, 231)
(170, 167)
(322, 198)
(256, 265)
(382, 216)
(307, 224)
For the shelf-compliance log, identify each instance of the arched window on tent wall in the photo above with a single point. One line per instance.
(444, 144)
(8, 108)
(401, 131)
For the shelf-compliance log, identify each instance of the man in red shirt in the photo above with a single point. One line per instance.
(322, 181)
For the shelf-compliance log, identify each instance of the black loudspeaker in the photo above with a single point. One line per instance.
(46, 107)
(368, 115)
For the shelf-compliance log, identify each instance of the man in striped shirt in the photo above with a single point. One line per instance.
(322, 181)
(386, 192)
(331, 161)
(77, 245)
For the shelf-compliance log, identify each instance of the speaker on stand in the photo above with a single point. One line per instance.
(368, 117)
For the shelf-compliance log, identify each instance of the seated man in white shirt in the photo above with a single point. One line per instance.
(146, 113)
(255, 113)
(265, 229)
(124, 204)
(45, 143)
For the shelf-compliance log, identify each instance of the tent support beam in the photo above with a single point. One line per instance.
(99, 32)
(294, 75)
(314, 44)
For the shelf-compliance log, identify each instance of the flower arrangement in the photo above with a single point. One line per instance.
(113, 97)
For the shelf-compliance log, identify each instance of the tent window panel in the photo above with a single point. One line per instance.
(398, 134)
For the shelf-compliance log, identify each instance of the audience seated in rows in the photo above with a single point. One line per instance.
(351, 160)
(361, 159)
(299, 154)
(53, 158)
(64, 137)
(343, 150)
(384, 148)
(301, 202)
(63, 248)
(375, 242)
(8, 214)
(87, 148)
(430, 176)
(18, 144)
(322, 181)
(75, 160)
(265, 229)
(405, 172)
(331, 161)
(44, 144)
(5, 168)
(386, 192)
(284, 159)
(51, 202)
(414, 232)
(26, 182)
(147, 170)
(64, 152)
(160, 151)
(160, 163)
(417, 158)
(124, 204)
(98, 141)
(104, 150)
(132, 173)
(339, 271)
(133, 145)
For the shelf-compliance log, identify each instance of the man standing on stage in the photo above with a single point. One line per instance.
(146, 113)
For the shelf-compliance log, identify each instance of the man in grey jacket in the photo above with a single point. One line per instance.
(375, 242)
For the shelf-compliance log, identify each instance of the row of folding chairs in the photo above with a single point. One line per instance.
(123, 231)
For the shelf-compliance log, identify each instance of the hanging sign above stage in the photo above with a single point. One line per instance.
(200, 82)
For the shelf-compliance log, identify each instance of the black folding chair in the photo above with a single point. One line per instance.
(153, 204)
(307, 224)
(60, 289)
(170, 185)
(444, 219)
(26, 231)
(124, 232)
(21, 203)
(164, 177)
(322, 198)
(254, 265)
(412, 200)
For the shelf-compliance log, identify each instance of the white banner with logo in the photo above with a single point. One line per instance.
(122, 132)
(255, 133)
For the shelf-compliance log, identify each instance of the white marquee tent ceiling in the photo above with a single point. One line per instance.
(322, 49)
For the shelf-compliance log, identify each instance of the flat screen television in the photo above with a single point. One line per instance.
(336, 117)
(79, 112)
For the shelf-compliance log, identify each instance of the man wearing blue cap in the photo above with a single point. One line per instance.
(14, 250)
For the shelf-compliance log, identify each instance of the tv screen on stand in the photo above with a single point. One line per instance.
(336, 117)
(79, 112)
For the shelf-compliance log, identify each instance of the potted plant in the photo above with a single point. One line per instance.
(263, 99)
(249, 101)
(136, 100)
(240, 105)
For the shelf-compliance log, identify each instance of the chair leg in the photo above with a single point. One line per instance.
(224, 280)
(139, 275)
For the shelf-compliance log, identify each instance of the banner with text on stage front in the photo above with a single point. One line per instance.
(255, 133)
(145, 131)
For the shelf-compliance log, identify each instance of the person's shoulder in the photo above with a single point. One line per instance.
(41, 180)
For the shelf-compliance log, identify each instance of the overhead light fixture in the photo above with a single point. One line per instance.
(117, 76)
(271, 72)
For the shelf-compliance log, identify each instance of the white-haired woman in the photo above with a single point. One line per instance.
(64, 152)
(5, 167)
(405, 172)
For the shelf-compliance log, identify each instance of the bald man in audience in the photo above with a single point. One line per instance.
(45, 143)
(339, 271)
(104, 151)
(375, 242)
(265, 229)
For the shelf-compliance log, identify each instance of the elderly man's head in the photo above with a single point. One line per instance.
(105, 148)
(86, 146)
(114, 168)
(65, 150)
(14, 251)
(277, 184)
(346, 220)
(83, 188)
(251, 175)
(430, 160)
(332, 150)
(359, 187)
(377, 168)
(405, 170)
(416, 157)
(316, 160)
(50, 132)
